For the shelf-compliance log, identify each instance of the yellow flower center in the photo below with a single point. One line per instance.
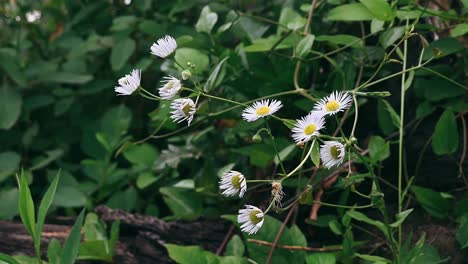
(332, 105)
(236, 181)
(170, 85)
(187, 108)
(253, 217)
(308, 130)
(335, 152)
(264, 110)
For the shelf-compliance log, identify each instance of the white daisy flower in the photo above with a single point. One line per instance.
(334, 103)
(332, 153)
(183, 109)
(171, 86)
(308, 127)
(233, 183)
(261, 109)
(277, 193)
(129, 83)
(164, 47)
(251, 219)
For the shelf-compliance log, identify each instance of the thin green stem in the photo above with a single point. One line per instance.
(356, 116)
(274, 146)
(302, 162)
(445, 78)
(260, 180)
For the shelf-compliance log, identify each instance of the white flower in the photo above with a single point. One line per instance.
(332, 153)
(251, 219)
(164, 47)
(233, 183)
(334, 103)
(33, 15)
(183, 109)
(308, 127)
(129, 83)
(261, 109)
(277, 193)
(170, 88)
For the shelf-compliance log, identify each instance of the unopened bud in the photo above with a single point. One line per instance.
(186, 74)
(257, 138)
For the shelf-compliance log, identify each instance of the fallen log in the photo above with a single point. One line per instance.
(141, 239)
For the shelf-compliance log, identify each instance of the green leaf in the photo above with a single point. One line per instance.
(291, 19)
(9, 162)
(400, 218)
(206, 21)
(145, 179)
(10, 106)
(350, 12)
(54, 251)
(8, 259)
(26, 206)
(304, 46)
(9, 63)
(315, 154)
(394, 117)
(66, 78)
(184, 55)
(189, 254)
(342, 39)
(9, 204)
(459, 30)
(235, 247)
(321, 258)
(266, 44)
(95, 250)
(125, 200)
(379, 8)
(462, 234)
(44, 207)
(391, 35)
(442, 47)
(363, 218)
(121, 52)
(41, 161)
(284, 153)
(378, 148)
(69, 196)
(214, 80)
(114, 235)
(335, 227)
(184, 203)
(445, 139)
(433, 202)
(375, 259)
(144, 154)
(430, 88)
(72, 244)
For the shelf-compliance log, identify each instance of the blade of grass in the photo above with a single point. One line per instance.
(8, 259)
(26, 206)
(72, 245)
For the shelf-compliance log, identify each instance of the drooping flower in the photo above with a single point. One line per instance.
(233, 183)
(171, 86)
(332, 153)
(334, 103)
(183, 109)
(277, 193)
(164, 47)
(251, 219)
(261, 109)
(308, 127)
(129, 83)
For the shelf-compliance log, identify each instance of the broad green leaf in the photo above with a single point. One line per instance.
(391, 35)
(9, 204)
(41, 161)
(445, 139)
(284, 153)
(9, 63)
(144, 154)
(72, 244)
(379, 8)
(462, 235)
(375, 259)
(8, 259)
(184, 203)
(378, 148)
(235, 247)
(69, 196)
(459, 30)
(44, 207)
(54, 251)
(121, 52)
(115, 123)
(315, 154)
(196, 57)
(335, 227)
(189, 254)
(66, 78)
(400, 218)
(9, 162)
(433, 202)
(266, 44)
(26, 206)
(114, 235)
(10, 106)
(125, 200)
(342, 39)
(394, 117)
(206, 21)
(304, 46)
(363, 218)
(321, 258)
(95, 250)
(442, 47)
(377, 25)
(145, 179)
(215, 78)
(350, 12)
(291, 19)
(431, 88)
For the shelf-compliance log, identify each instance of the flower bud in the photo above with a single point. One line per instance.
(257, 138)
(186, 74)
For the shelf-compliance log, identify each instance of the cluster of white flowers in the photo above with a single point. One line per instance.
(182, 109)
(332, 153)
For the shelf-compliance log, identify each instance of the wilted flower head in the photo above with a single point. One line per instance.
(233, 183)
(183, 109)
(308, 127)
(277, 193)
(129, 83)
(334, 103)
(332, 153)
(164, 47)
(171, 86)
(261, 109)
(251, 219)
